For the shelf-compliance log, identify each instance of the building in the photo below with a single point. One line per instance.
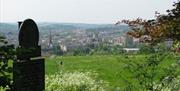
(131, 49)
(63, 48)
(50, 40)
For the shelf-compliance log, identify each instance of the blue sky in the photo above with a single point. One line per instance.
(80, 11)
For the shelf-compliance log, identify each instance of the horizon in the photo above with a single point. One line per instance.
(80, 11)
(67, 23)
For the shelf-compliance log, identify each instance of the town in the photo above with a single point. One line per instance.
(66, 38)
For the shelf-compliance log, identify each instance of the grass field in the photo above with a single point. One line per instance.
(110, 68)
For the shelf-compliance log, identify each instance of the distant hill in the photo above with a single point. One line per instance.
(12, 27)
(7, 27)
(109, 28)
(55, 26)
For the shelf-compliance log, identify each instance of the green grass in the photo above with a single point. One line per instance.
(110, 68)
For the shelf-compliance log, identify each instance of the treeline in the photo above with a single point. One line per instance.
(98, 49)
(107, 49)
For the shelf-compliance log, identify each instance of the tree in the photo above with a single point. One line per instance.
(129, 42)
(146, 49)
(159, 29)
(153, 32)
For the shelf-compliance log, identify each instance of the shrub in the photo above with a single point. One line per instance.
(73, 81)
(7, 53)
(4, 88)
(152, 76)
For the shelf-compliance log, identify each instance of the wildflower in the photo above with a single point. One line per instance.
(73, 81)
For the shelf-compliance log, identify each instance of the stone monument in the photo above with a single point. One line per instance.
(29, 69)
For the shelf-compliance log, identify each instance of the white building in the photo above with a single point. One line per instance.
(131, 49)
(63, 48)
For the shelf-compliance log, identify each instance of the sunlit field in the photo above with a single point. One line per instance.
(107, 68)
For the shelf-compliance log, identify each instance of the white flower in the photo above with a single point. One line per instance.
(73, 81)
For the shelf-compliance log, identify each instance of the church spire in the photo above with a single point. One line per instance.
(50, 39)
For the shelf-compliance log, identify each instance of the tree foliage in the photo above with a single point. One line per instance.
(164, 26)
(7, 53)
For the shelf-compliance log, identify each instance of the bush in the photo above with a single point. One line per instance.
(73, 81)
(7, 53)
(153, 75)
(4, 88)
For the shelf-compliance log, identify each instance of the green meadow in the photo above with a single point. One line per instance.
(109, 68)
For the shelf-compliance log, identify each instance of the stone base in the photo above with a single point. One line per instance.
(29, 75)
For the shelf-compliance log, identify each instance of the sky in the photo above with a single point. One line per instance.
(81, 11)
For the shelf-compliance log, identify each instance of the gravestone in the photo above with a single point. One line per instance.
(29, 69)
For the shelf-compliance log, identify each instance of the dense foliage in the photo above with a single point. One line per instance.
(7, 54)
